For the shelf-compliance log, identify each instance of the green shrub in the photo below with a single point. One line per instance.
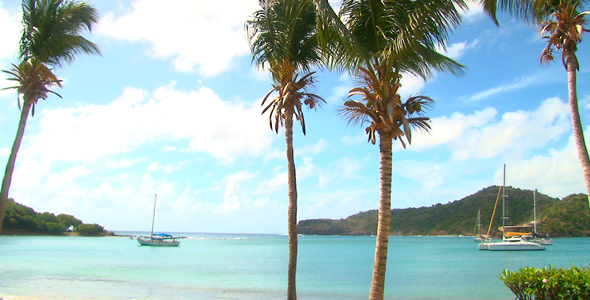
(89, 229)
(532, 283)
(55, 228)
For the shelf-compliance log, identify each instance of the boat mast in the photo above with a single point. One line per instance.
(504, 203)
(154, 215)
(478, 224)
(535, 210)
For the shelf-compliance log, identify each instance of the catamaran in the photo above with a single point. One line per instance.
(511, 241)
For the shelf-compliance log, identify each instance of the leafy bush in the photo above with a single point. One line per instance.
(69, 220)
(89, 229)
(55, 228)
(20, 217)
(532, 283)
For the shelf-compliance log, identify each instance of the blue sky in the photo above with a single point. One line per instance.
(173, 107)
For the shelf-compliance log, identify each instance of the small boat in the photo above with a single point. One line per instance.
(513, 240)
(477, 230)
(513, 244)
(536, 238)
(158, 239)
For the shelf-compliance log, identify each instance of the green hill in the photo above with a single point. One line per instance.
(20, 219)
(568, 217)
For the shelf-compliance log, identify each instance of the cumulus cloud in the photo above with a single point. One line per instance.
(537, 79)
(456, 50)
(10, 33)
(203, 34)
(480, 135)
(199, 119)
(558, 174)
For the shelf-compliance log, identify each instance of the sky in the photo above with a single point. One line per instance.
(173, 108)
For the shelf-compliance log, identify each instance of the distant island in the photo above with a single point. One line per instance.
(558, 218)
(23, 220)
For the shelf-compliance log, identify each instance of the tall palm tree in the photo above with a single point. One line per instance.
(388, 38)
(562, 23)
(282, 37)
(51, 37)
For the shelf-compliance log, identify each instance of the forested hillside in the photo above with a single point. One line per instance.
(569, 217)
(20, 219)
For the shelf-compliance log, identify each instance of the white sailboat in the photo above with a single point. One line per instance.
(536, 238)
(158, 239)
(513, 243)
(477, 230)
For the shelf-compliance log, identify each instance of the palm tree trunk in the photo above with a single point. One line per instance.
(12, 159)
(384, 223)
(576, 121)
(292, 210)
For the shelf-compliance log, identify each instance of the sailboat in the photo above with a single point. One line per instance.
(510, 242)
(158, 239)
(536, 238)
(477, 230)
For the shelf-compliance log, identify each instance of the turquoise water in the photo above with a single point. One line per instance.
(232, 266)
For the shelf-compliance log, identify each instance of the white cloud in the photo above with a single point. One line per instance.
(206, 34)
(199, 118)
(171, 168)
(516, 131)
(10, 34)
(558, 174)
(521, 83)
(319, 147)
(456, 50)
(480, 136)
(353, 140)
(474, 11)
(449, 129)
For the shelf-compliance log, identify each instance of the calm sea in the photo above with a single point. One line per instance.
(245, 266)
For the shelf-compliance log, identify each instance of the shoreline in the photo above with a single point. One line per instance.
(22, 232)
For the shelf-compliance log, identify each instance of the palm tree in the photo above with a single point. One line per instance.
(51, 37)
(562, 23)
(388, 38)
(282, 38)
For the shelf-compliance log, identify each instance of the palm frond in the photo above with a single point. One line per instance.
(52, 31)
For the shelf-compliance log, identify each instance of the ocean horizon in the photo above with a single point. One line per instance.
(254, 266)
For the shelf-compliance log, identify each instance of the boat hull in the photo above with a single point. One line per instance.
(511, 246)
(542, 241)
(158, 242)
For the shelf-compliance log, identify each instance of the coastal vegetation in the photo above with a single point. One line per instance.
(21, 219)
(51, 37)
(548, 283)
(558, 218)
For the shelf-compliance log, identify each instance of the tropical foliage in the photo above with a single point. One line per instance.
(548, 283)
(51, 37)
(89, 229)
(283, 40)
(565, 218)
(23, 219)
(386, 41)
(568, 218)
